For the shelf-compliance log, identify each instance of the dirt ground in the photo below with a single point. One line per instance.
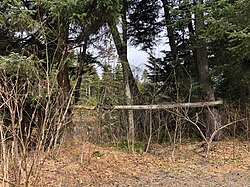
(85, 164)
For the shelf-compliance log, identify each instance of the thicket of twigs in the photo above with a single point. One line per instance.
(34, 121)
(33, 118)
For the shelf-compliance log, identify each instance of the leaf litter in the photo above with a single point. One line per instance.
(84, 164)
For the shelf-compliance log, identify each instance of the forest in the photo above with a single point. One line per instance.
(65, 74)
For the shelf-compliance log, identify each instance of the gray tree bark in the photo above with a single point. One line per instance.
(212, 115)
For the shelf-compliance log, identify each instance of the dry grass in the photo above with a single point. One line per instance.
(85, 164)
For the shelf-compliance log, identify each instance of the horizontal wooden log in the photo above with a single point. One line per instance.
(168, 106)
(84, 107)
(154, 107)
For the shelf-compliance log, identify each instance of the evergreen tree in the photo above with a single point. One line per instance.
(227, 30)
(90, 88)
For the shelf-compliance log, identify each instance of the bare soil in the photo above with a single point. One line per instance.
(83, 164)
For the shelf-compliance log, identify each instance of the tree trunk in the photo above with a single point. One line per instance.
(178, 71)
(243, 90)
(61, 53)
(63, 70)
(132, 93)
(64, 84)
(170, 33)
(130, 86)
(212, 115)
(121, 47)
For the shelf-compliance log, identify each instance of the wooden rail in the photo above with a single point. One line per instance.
(151, 107)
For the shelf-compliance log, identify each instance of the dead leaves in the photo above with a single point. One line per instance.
(85, 164)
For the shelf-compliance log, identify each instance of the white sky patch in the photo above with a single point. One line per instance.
(137, 57)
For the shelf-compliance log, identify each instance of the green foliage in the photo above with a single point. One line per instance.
(59, 9)
(22, 74)
(229, 20)
(55, 28)
(144, 25)
(82, 12)
(118, 86)
(14, 14)
(21, 67)
(90, 88)
(98, 153)
(111, 86)
(228, 34)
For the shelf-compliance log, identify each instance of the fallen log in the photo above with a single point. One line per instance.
(152, 107)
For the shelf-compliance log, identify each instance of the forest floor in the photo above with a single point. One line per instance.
(82, 164)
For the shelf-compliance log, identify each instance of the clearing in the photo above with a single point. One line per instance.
(84, 164)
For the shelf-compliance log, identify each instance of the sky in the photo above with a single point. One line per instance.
(137, 58)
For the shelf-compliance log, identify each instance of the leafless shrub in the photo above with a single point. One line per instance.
(33, 119)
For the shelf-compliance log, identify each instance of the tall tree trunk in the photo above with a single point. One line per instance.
(61, 53)
(130, 86)
(243, 91)
(63, 70)
(127, 72)
(173, 47)
(132, 93)
(170, 33)
(121, 47)
(131, 89)
(213, 118)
